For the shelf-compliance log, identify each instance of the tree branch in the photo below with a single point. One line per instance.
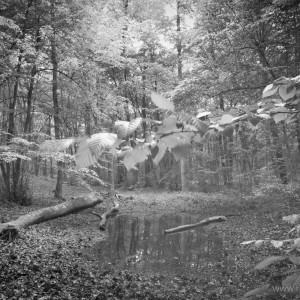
(192, 226)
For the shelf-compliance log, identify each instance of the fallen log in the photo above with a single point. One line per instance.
(195, 225)
(10, 230)
(111, 213)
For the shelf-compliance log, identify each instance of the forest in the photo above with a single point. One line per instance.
(149, 149)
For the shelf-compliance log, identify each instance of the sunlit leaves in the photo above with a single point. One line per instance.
(9, 156)
(169, 125)
(138, 154)
(226, 119)
(125, 128)
(159, 154)
(269, 90)
(56, 145)
(281, 80)
(297, 243)
(102, 141)
(161, 102)
(202, 113)
(194, 122)
(292, 219)
(277, 244)
(91, 149)
(286, 93)
(5, 22)
(84, 157)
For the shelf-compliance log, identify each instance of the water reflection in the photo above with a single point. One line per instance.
(139, 244)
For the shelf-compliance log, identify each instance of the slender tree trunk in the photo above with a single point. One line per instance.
(280, 163)
(179, 73)
(54, 60)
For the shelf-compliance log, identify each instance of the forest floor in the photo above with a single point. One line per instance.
(49, 261)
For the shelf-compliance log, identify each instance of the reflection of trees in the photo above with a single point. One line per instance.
(119, 234)
(146, 236)
(134, 236)
(178, 253)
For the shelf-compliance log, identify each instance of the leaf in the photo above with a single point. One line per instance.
(297, 243)
(240, 118)
(161, 102)
(291, 118)
(202, 113)
(281, 80)
(292, 219)
(251, 108)
(254, 121)
(160, 154)
(138, 154)
(125, 128)
(169, 125)
(12, 156)
(269, 90)
(199, 125)
(102, 141)
(286, 92)
(280, 117)
(176, 139)
(277, 244)
(228, 131)
(292, 281)
(181, 151)
(56, 145)
(268, 261)
(83, 156)
(90, 150)
(258, 243)
(264, 116)
(295, 259)
(248, 242)
(217, 127)
(258, 291)
(226, 119)
(198, 138)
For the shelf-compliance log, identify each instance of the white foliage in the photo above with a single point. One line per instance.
(125, 128)
(56, 145)
(161, 102)
(90, 150)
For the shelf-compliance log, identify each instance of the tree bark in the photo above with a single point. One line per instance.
(10, 230)
(179, 73)
(54, 60)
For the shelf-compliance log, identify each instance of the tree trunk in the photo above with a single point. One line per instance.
(179, 71)
(280, 163)
(10, 230)
(54, 60)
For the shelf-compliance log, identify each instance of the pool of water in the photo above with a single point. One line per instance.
(139, 244)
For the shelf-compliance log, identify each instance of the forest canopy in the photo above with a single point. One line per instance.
(149, 90)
